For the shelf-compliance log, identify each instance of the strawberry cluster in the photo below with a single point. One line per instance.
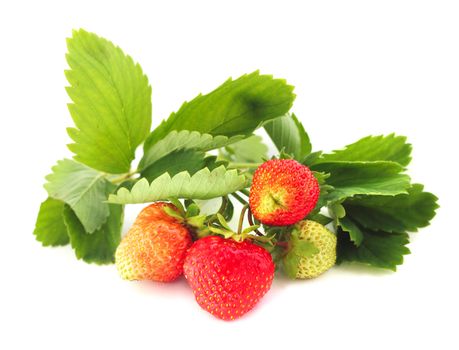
(230, 272)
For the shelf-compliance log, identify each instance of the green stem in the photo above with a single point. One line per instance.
(243, 165)
(124, 177)
(245, 191)
(239, 198)
(241, 218)
(251, 223)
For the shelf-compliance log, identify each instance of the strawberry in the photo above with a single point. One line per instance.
(155, 246)
(324, 242)
(283, 192)
(228, 278)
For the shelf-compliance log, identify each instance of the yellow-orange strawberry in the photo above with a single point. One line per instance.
(155, 246)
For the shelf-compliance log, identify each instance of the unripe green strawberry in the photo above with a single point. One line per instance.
(228, 278)
(155, 246)
(324, 244)
(283, 192)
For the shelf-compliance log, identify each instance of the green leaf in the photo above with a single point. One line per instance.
(251, 150)
(237, 107)
(355, 234)
(100, 246)
(320, 218)
(84, 189)
(181, 141)
(404, 212)
(205, 184)
(378, 249)
(367, 178)
(50, 229)
(288, 134)
(373, 148)
(298, 249)
(174, 163)
(111, 103)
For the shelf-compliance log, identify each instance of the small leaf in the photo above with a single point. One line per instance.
(50, 229)
(237, 107)
(288, 135)
(84, 189)
(374, 148)
(205, 184)
(355, 234)
(223, 222)
(111, 103)
(100, 246)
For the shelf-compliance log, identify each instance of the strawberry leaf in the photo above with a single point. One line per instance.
(205, 184)
(100, 246)
(363, 178)
(111, 103)
(355, 234)
(378, 249)
(288, 135)
(251, 149)
(404, 212)
(237, 107)
(183, 140)
(373, 148)
(50, 229)
(84, 189)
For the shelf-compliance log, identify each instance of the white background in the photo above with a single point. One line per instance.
(359, 67)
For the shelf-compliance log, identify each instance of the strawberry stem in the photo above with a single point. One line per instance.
(241, 218)
(250, 219)
(245, 191)
(239, 198)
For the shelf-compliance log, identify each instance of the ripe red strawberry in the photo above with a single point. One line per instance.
(228, 278)
(283, 192)
(155, 246)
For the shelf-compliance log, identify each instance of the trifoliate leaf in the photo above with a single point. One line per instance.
(237, 107)
(205, 184)
(84, 189)
(404, 212)
(298, 249)
(100, 246)
(378, 249)
(288, 134)
(373, 148)
(181, 141)
(355, 234)
(367, 178)
(111, 103)
(251, 149)
(50, 229)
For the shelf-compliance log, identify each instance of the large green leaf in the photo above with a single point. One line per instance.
(288, 134)
(111, 103)
(373, 148)
(367, 178)
(100, 246)
(183, 140)
(50, 229)
(205, 184)
(251, 149)
(237, 107)
(404, 212)
(378, 249)
(84, 189)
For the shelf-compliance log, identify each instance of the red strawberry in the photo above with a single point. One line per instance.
(228, 278)
(155, 246)
(283, 192)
